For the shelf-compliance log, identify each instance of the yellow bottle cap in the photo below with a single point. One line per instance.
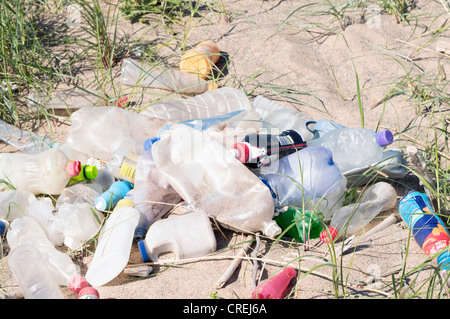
(123, 203)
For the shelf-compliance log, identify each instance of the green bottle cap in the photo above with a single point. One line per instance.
(90, 171)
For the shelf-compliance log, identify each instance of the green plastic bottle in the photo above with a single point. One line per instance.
(306, 224)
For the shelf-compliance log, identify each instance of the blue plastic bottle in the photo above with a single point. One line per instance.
(109, 199)
(428, 229)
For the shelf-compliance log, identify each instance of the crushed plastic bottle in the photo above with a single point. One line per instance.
(277, 286)
(354, 147)
(300, 225)
(15, 203)
(114, 244)
(30, 270)
(109, 199)
(322, 127)
(351, 219)
(147, 75)
(200, 60)
(187, 236)
(211, 180)
(47, 172)
(43, 211)
(211, 103)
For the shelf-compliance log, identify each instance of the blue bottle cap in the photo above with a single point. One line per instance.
(148, 143)
(143, 251)
(3, 226)
(384, 137)
(109, 199)
(139, 233)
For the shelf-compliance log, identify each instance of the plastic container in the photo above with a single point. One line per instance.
(153, 194)
(109, 199)
(24, 141)
(276, 116)
(15, 203)
(200, 60)
(354, 147)
(211, 180)
(302, 176)
(100, 131)
(70, 99)
(276, 287)
(211, 103)
(47, 172)
(87, 172)
(255, 149)
(351, 219)
(427, 228)
(43, 211)
(299, 225)
(30, 270)
(123, 165)
(114, 244)
(186, 236)
(135, 73)
(26, 230)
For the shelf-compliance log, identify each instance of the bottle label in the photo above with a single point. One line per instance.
(128, 169)
(285, 140)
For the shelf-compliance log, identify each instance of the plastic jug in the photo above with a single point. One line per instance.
(30, 270)
(351, 219)
(354, 147)
(135, 73)
(211, 103)
(153, 194)
(277, 286)
(187, 236)
(26, 230)
(100, 131)
(298, 224)
(114, 244)
(427, 228)
(47, 172)
(302, 176)
(200, 60)
(211, 180)
(15, 203)
(109, 199)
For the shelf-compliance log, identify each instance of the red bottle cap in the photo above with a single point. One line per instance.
(242, 152)
(77, 283)
(89, 293)
(324, 235)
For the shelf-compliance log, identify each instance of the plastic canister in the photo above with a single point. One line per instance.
(201, 59)
(187, 236)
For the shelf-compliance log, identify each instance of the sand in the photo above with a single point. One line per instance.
(273, 56)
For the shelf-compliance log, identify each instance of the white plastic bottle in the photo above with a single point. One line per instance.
(47, 172)
(114, 244)
(303, 176)
(146, 75)
(26, 230)
(354, 147)
(211, 103)
(15, 203)
(30, 270)
(351, 219)
(187, 236)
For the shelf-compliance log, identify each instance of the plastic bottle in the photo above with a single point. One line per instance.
(322, 127)
(24, 141)
(87, 172)
(302, 176)
(47, 172)
(123, 165)
(109, 199)
(15, 203)
(147, 75)
(32, 274)
(43, 211)
(354, 147)
(351, 219)
(277, 286)
(153, 194)
(255, 148)
(427, 228)
(211, 103)
(26, 230)
(114, 244)
(300, 225)
(211, 180)
(201, 59)
(187, 236)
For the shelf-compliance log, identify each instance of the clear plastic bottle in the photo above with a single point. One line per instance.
(109, 199)
(153, 194)
(114, 244)
(302, 176)
(26, 230)
(200, 60)
(144, 74)
(15, 203)
(351, 219)
(30, 270)
(211, 103)
(354, 147)
(187, 236)
(43, 211)
(47, 172)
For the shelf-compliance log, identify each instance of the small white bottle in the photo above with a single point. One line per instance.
(114, 244)
(47, 172)
(30, 270)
